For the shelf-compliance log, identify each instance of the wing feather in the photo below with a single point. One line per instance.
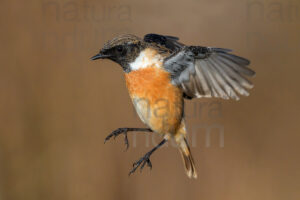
(213, 72)
(201, 80)
(225, 84)
(237, 87)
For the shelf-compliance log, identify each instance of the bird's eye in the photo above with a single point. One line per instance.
(120, 49)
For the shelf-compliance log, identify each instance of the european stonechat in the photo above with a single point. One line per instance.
(161, 72)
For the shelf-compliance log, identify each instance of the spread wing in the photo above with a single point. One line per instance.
(204, 71)
(209, 72)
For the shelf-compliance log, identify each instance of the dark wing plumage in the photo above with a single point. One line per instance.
(204, 71)
(169, 42)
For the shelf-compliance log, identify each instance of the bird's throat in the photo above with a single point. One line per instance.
(147, 58)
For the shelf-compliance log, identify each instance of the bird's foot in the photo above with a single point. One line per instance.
(117, 132)
(141, 163)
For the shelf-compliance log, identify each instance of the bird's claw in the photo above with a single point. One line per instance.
(141, 163)
(117, 132)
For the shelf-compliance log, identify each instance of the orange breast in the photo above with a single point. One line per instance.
(157, 102)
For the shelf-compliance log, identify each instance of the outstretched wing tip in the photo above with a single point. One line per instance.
(210, 72)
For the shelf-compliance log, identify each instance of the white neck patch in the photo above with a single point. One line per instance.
(146, 59)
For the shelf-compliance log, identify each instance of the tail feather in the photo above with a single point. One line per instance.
(187, 159)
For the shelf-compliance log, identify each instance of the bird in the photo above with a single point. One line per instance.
(161, 72)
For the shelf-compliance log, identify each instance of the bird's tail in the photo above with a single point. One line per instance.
(187, 158)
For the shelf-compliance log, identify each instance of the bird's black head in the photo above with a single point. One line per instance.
(122, 49)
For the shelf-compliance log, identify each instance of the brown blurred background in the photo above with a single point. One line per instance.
(57, 106)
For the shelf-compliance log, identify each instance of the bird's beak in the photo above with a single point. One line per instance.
(99, 56)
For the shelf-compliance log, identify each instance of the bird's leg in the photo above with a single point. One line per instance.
(146, 159)
(124, 131)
